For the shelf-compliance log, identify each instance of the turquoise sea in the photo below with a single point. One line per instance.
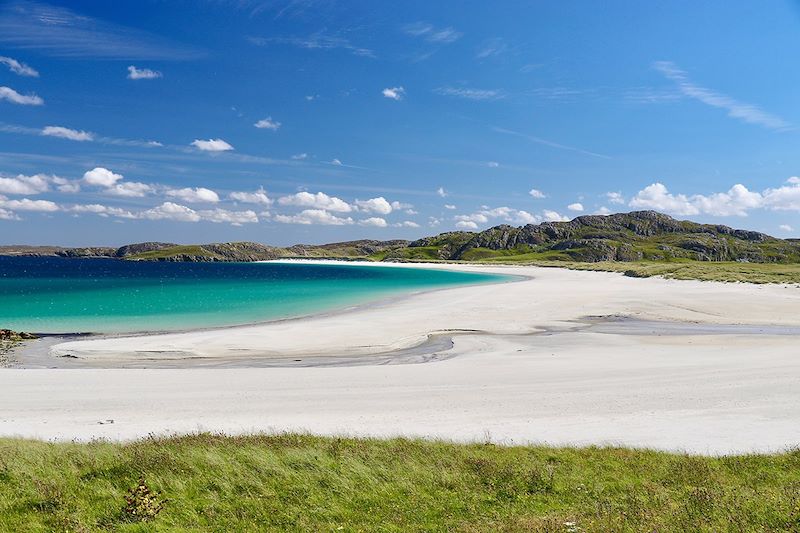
(55, 295)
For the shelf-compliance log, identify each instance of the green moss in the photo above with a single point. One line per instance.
(190, 249)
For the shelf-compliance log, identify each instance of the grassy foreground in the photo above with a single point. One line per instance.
(307, 483)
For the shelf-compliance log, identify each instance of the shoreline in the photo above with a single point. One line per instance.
(703, 367)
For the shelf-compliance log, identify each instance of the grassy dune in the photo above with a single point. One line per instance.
(700, 270)
(305, 483)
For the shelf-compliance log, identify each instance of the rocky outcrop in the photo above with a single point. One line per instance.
(138, 248)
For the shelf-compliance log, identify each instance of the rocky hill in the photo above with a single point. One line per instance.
(632, 236)
(640, 235)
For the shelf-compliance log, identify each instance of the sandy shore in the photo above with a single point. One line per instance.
(531, 362)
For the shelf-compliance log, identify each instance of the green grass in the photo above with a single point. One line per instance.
(189, 249)
(685, 269)
(306, 483)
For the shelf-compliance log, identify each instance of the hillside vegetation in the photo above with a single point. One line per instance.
(307, 483)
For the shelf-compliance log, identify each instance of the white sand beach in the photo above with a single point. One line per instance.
(533, 361)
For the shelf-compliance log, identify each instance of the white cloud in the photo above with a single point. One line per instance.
(7, 93)
(171, 211)
(113, 184)
(64, 185)
(451, 207)
(8, 215)
(257, 197)
(736, 201)
(395, 93)
(314, 216)
(212, 145)
(194, 195)
(433, 222)
(492, 47)
(300, 157)
(745, 112)
(504, 214)
(18, 68)
(130, 189)
(794, 180)
(402, 205)
(102, 210)
(577, 206)
(432, 34)
(615, 197)
(375, 205)
(441, 192)
(336, 162)
(376, 222)
(235, 218)
(536, 193)
(35, 184)
(553, 216)
(26, 204)
(603, 211)
(406, 224)
(267, 124)
(101, 177)
(492, 164)
(786, 227)
(67, 133)
(319, 200)
(656, 196)
(470, 94)
(142, 74)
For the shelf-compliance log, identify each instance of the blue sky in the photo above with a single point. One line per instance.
(315, 121)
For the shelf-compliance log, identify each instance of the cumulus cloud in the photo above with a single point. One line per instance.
(785, 227)
(8, 215)
(234, 218)
(615, 197)
(451, 207)
(736, 201)
(7, 93)
(375, 205)
(212, 145)
(67, 133)
(142, 74)
(18, 68)
(336, 162)
(536, 193)
(394, 93)
(112, 183)
(300, 157)
(577, 206)
(257, 197)
(102, 210)
(267, 124)
(441, 192)
(101, 177)
(171, 211)
(130, 189)
(553, 216)
(320, 201)
(315, 217)
(21, 184)
(194, 195)
(504, 214)
(26, 204)
(406, 224)
(375, 222)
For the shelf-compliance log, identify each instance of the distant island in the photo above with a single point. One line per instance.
(622, 237)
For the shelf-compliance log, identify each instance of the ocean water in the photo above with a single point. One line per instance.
(55, 295)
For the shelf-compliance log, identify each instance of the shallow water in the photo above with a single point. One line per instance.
(56, 295)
